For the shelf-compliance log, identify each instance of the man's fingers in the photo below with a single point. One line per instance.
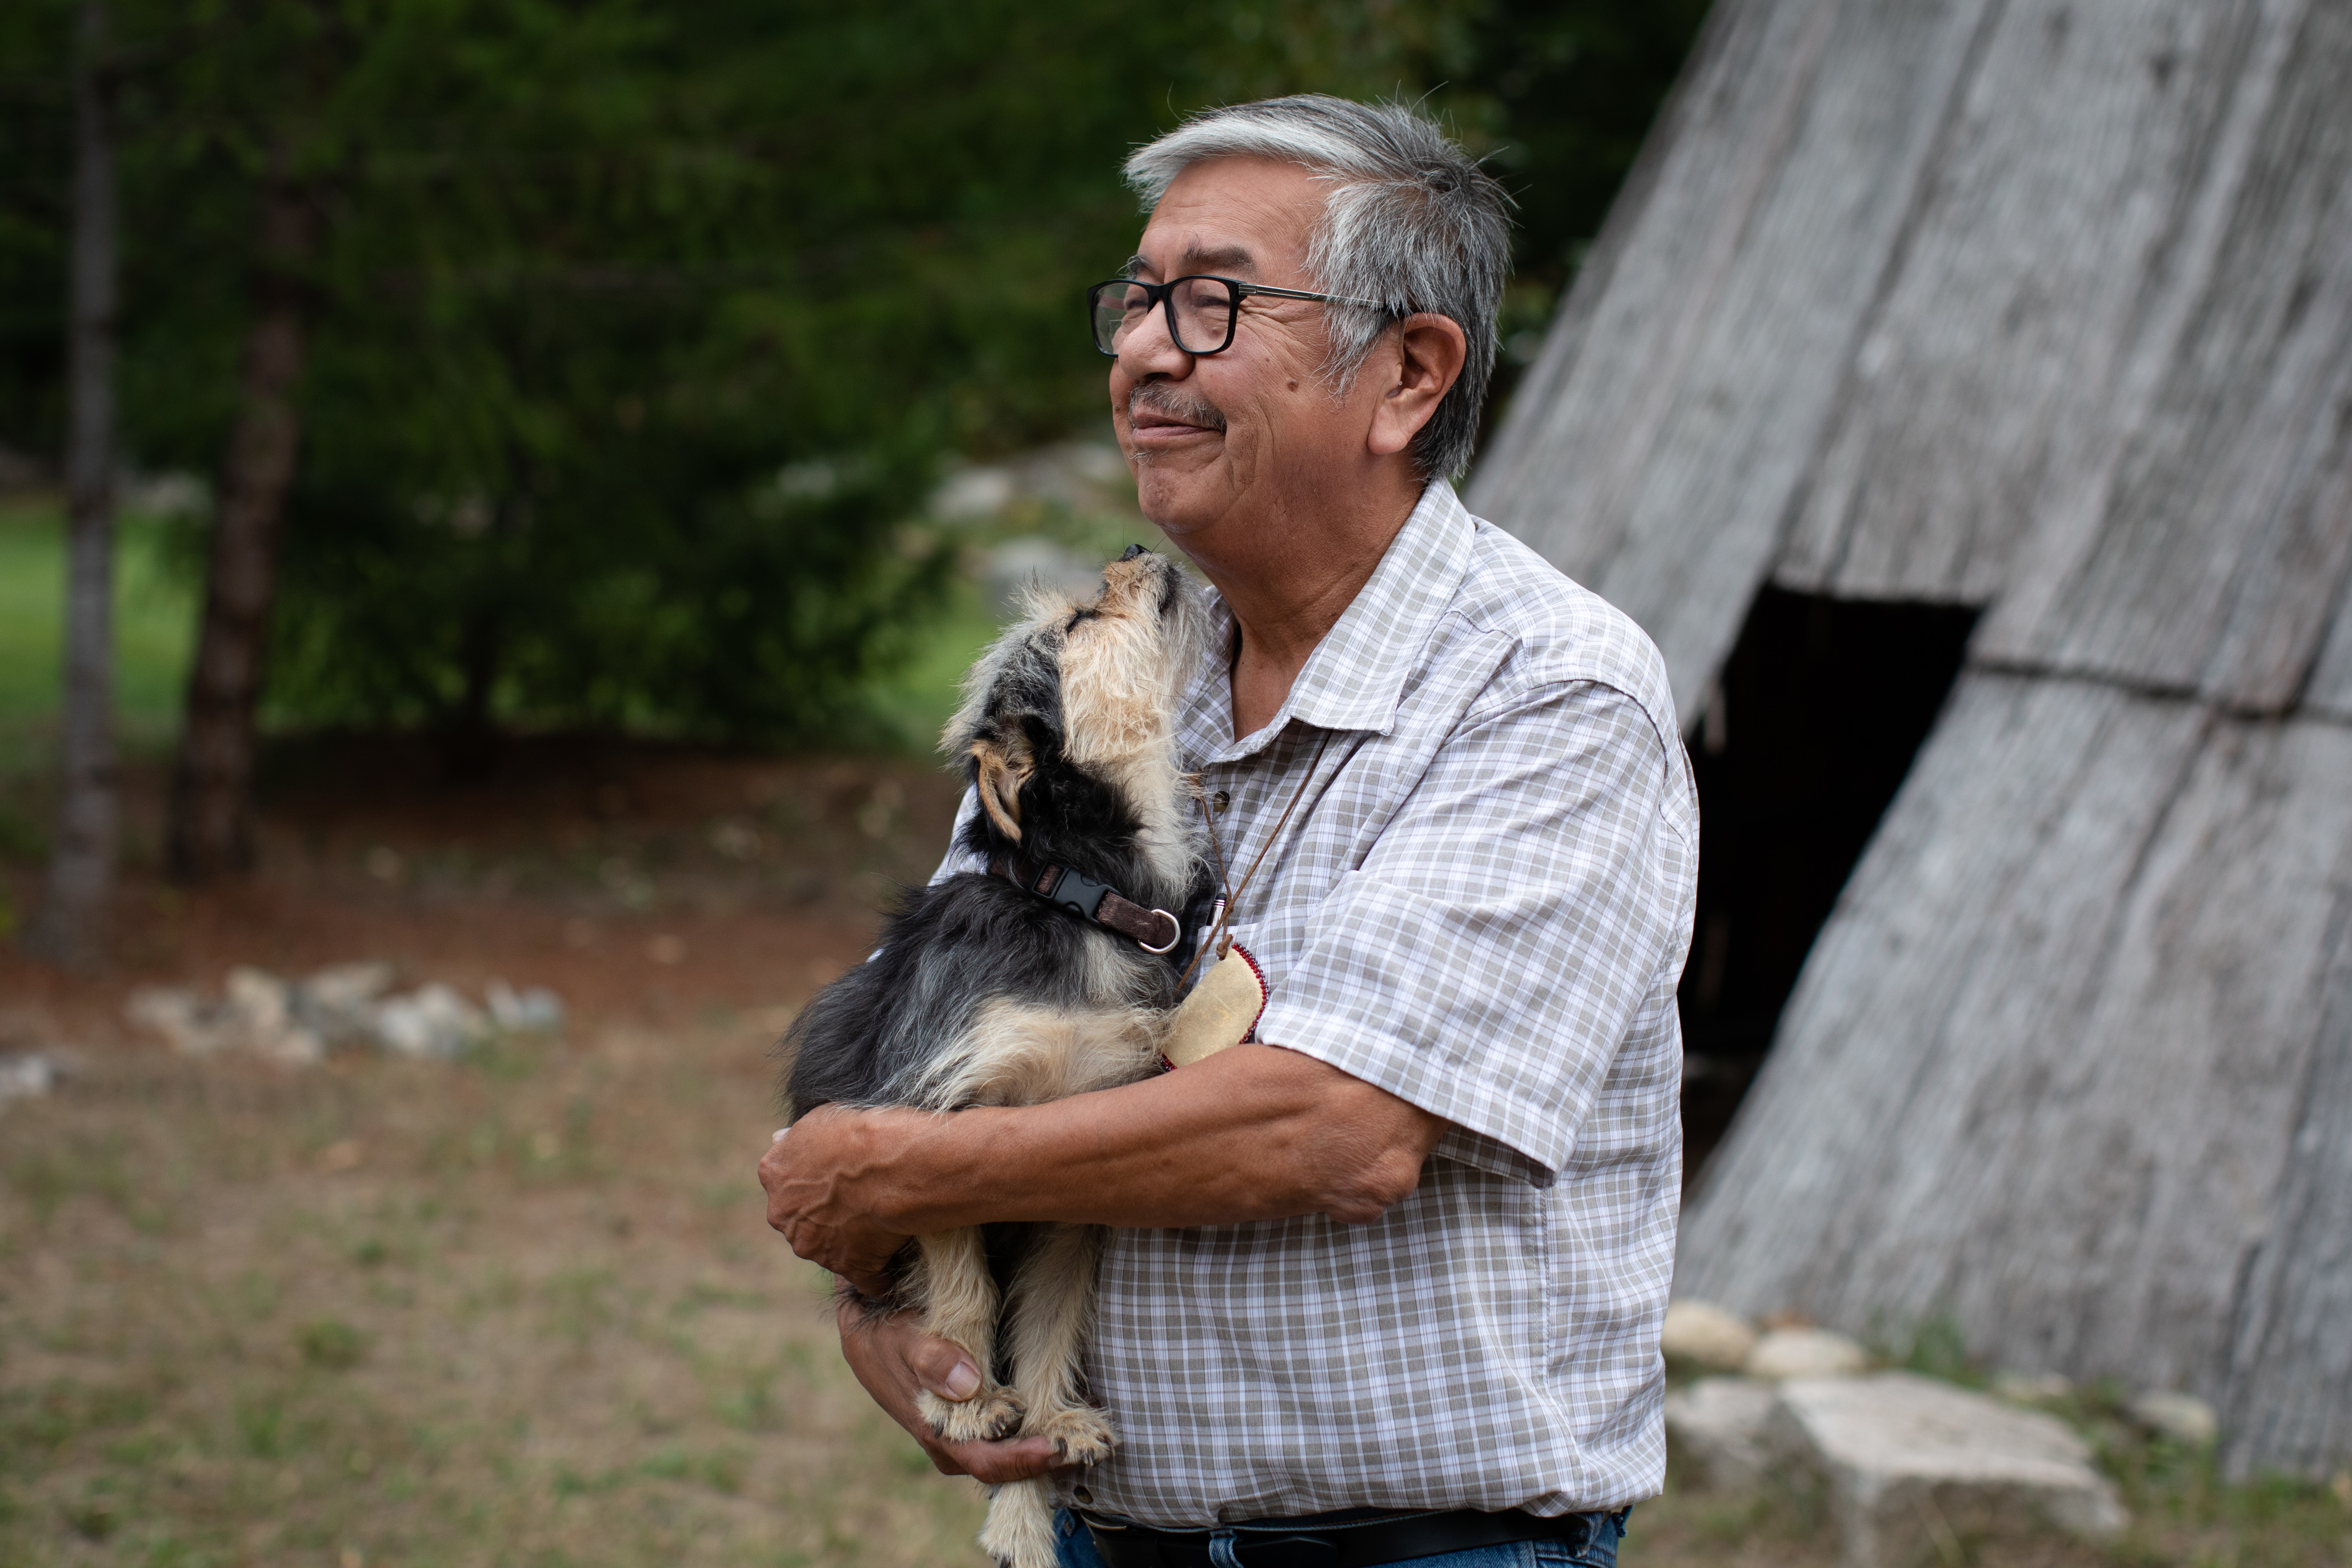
(994, 1464)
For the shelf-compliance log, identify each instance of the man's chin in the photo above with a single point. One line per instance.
(1180, 498)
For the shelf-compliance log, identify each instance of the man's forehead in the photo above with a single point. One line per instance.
(1241, 215)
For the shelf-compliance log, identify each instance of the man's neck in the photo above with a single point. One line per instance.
(1287, 582)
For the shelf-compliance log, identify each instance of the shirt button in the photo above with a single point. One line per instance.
(1082, 1494)
(1219, 800)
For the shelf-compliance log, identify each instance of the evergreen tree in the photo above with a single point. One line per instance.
(577, 362)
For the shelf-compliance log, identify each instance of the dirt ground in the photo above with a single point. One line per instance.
(521, 1308)
(515, 1308)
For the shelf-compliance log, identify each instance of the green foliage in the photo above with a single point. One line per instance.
(1567, 89)
(635, 332)
(1563, 91)
(1932, 1347)
(154, 613)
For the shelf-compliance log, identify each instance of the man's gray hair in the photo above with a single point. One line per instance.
(1412, 222)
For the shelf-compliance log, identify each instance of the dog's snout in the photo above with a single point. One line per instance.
(1131, 552)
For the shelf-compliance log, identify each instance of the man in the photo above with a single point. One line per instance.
(1392, 1280)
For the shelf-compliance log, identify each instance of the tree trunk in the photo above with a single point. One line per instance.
(470, 740)
(71, 926)
(211, 788)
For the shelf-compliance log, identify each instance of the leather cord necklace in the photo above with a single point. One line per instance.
(1218, 936)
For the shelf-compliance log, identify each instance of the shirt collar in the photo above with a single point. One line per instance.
(1355, 678)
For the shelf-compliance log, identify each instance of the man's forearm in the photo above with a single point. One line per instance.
(1254, 1133)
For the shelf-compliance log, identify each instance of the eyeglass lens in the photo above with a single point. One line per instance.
(1203, 309)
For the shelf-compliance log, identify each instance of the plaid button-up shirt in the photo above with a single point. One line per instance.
(1482, 904)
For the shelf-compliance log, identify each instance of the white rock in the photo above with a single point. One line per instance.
(177, 1014)
(523, 1012)
(431, 1021)
(1913, 1466)
(259, 1010)
(1705, 1335)
(1805, 1353)
(2183, 1417)
(1717, 1427)
(336, 1003)
(261, 1002)
(26, 1075)
(254, 1015)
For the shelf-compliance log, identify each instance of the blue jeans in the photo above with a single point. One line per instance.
(1078, 1550)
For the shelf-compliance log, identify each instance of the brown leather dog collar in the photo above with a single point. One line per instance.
(1154, 931)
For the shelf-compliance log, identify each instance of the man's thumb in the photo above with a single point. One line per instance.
(947, 1371)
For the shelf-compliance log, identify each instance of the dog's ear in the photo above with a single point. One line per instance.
(1001, 771)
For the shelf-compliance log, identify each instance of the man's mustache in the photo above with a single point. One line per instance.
(1170, 403)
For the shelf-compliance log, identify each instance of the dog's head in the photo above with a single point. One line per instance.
(1068, 721)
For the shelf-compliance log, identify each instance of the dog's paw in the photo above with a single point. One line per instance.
(1081, 1435)
(990, 1414)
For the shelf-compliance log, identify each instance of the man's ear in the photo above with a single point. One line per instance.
(1000, 773)
(1422, 362)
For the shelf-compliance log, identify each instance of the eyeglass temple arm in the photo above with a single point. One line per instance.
(1243, 290)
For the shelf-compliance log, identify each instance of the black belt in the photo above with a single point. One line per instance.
(1340, 1541)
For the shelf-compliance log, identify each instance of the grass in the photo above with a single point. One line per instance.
(155, 628)
(220, 1344)
(358, 1314)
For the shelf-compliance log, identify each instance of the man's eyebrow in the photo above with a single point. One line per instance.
(1216, 259)
(1219, 258)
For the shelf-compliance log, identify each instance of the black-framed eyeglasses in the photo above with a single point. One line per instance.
(1202, 311)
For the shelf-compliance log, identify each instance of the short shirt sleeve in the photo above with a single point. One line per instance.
(1495, 947)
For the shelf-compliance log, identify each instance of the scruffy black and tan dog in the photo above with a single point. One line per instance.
(1050, 974)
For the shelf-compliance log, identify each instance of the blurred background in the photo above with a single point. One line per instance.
(495, 499)
(589, 441)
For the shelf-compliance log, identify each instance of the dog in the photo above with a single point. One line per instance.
(1053, 972)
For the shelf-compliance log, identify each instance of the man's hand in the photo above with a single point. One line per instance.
(896, 1360)
(808, 1175)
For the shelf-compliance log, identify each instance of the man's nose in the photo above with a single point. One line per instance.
(1151, 349)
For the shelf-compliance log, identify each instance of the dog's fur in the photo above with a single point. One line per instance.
(982, 995)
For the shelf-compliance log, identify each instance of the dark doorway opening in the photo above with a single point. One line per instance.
(1798, 752)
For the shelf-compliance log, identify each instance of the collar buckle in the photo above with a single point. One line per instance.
(1156, 932)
